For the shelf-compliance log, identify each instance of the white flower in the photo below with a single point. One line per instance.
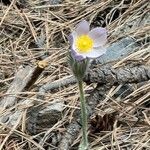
(86, 43)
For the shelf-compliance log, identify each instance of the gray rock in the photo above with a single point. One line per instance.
(118, 50)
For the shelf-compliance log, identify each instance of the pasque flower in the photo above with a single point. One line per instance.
(86, 43)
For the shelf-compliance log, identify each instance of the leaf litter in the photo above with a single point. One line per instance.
(35, 30)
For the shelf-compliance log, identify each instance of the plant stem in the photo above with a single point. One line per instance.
(84, 143)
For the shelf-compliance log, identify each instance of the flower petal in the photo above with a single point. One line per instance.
(96, 52)
(82, 28)
(72, 37)
(77, 56)
(99, 36)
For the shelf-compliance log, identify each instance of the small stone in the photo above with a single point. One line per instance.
(55, 2)
(4, 119)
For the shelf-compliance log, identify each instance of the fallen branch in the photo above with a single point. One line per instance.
(23, 80)
(104, 74)
(126, 74)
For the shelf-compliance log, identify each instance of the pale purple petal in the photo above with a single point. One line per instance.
(73, 46)
(72, 37)
(99, 36)
(77, 56)
(82, 28)
(96, 52)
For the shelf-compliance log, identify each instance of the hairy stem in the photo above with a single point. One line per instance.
(84, 144)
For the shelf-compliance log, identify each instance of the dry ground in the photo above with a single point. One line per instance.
(33, 30)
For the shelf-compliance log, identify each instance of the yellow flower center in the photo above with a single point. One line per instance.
(84, 44)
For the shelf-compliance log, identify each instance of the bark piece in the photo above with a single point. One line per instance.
(71, 134)
(126, 74)
(56, 84)
(44, 117)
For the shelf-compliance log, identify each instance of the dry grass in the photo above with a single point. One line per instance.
(38, 31)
